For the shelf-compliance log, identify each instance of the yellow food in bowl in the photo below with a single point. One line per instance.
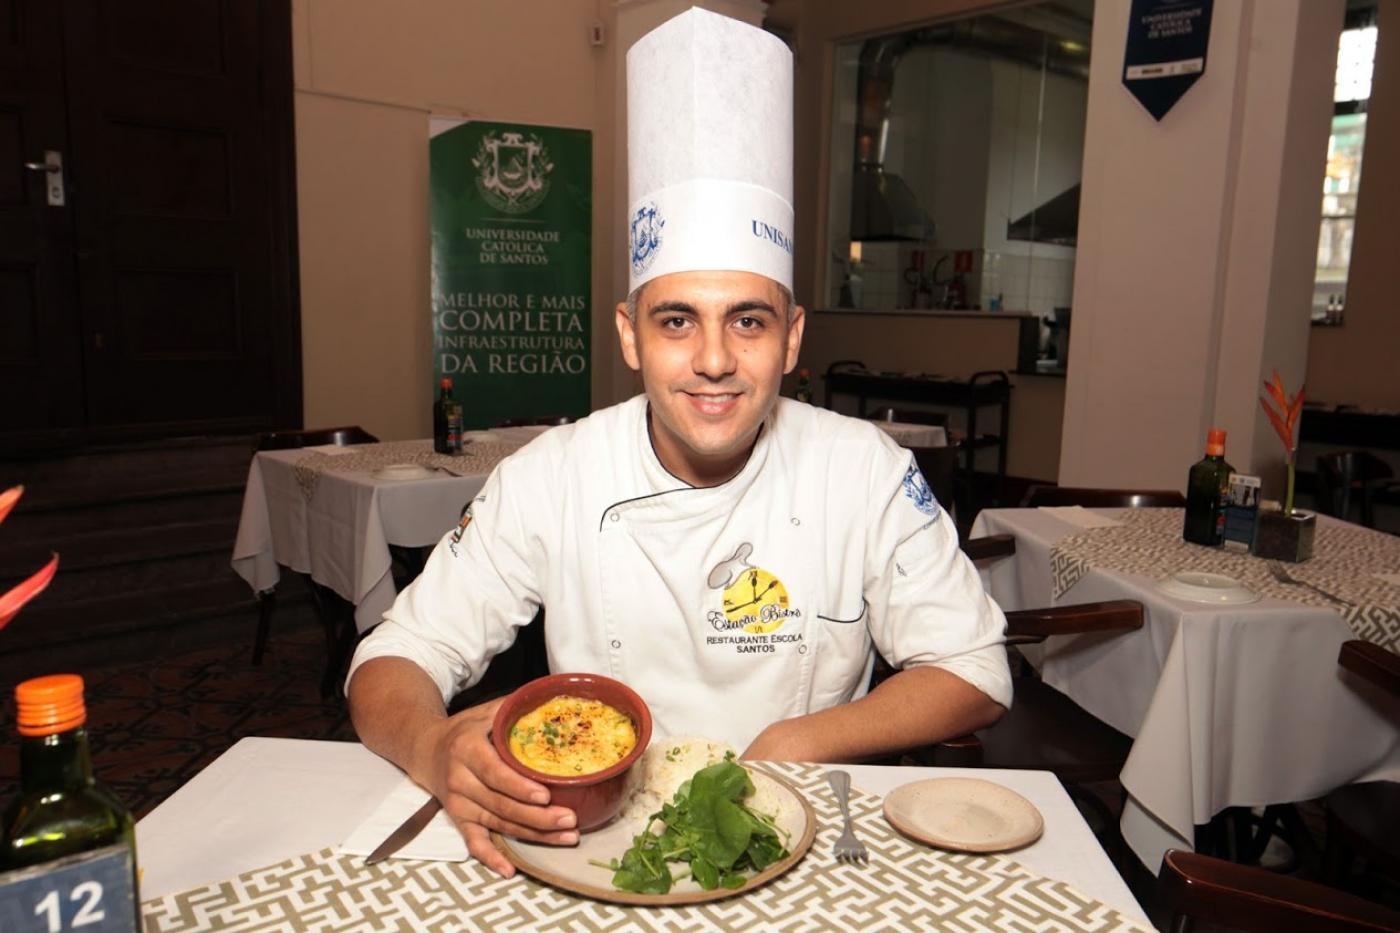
(570, 736)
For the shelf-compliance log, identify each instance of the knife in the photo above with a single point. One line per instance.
(405, 833)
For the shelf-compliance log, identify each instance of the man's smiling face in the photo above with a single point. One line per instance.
(712, 348)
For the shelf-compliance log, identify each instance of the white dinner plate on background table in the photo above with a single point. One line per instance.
(1199, 587)
(403, 471)
(964, 815)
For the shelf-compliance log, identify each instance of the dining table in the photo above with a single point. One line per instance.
(254, 840)
(1231, 692)
(332, 512)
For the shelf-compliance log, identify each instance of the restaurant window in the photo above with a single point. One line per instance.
(956, 154)
(1356, 54)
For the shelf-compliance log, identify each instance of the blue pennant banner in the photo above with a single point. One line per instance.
(1166, 50)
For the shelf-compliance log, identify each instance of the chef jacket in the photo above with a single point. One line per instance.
(726, 607)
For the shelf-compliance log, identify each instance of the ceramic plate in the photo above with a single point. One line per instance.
(1198, 587)
(964, 815)
(568, 868)
(397, 471)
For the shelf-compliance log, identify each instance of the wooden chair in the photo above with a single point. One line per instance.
(330, 608)
(1351, 477)
(1362, 818)
(939, 466)
(1211, 890)
(1045, 730)
(1038, 496)
(316, 437)
(550, 420)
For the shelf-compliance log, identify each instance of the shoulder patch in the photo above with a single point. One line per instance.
(918, 491)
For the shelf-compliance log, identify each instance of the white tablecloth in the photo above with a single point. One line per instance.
(914, 435)
(1228, 705)
(341, 534)
(265, 800)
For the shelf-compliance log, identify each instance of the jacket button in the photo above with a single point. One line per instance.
(616, 643)
(801, 649)
(615, 516)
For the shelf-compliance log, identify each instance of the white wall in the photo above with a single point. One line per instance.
(1196, 242)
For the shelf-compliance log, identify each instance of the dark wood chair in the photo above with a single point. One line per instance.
(1351, 477)
(1362, 819)
(1045, 730)
(330, 608)
(939, 466)
(550, 420)
(1239, 897)
(1038, 496)
(315, 437)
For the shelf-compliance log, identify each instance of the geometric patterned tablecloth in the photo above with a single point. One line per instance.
(477, 456)
(1345, 561)
(905, 886)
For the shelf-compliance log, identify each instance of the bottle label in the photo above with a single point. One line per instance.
(91, 891)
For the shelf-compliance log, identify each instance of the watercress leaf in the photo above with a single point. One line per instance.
(730, 836)
(705, 873)
(732, 880)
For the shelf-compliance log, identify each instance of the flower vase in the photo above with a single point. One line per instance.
(1284, 535)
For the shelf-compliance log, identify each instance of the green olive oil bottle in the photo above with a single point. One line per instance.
(1207, 489)
(61, 810)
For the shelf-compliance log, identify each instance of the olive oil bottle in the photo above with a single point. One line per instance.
(61, 809)
(1207, 489)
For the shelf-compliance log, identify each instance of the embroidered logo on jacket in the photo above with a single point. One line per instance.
(754, 603)
(461, 528)
(918, 491)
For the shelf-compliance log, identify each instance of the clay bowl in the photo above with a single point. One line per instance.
(595, 798)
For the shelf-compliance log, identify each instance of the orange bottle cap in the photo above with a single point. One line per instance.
(1215, 442)
(50, 705)
(804, 373)
(446, 383)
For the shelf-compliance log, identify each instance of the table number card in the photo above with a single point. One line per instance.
(1241, 512)
(94, 892)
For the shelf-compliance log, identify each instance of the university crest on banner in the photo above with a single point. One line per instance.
(512, 171)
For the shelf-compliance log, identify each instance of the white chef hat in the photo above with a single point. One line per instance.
(709, 150)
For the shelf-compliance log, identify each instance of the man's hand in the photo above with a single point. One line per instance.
(481, 793)
(398, 714)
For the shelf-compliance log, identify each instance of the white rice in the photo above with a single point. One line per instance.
(668, 763)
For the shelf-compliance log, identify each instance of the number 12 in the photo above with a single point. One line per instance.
(88, 913)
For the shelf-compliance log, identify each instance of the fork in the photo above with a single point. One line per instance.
(1283, 576)
(848, 848)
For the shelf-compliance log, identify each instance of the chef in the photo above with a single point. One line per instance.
(733, 557)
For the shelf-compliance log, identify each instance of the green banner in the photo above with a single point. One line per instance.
(512, 262)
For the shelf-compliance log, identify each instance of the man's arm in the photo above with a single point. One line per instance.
(398, 713)
(915, 707)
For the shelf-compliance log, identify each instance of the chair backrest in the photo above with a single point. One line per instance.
(550, 420)
(910, 416)
(1032, 625)
(939, 466)
(1038, 496)
(1242, 897)
(340, 437)
(989, 546)
(1344, 472)
(1371, 662)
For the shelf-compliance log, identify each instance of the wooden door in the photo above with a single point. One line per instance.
(41, 385)
(176, 244)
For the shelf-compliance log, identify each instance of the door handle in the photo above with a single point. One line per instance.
(52, 167)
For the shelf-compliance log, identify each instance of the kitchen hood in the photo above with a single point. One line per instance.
(1055, 221)
(883, 207)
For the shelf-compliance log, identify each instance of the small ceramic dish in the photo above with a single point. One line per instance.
(1199, 587)
(595, 798)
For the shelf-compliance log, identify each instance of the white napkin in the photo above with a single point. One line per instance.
(1388, 577)
(334, 450)
(439, 841)
(1078, 515)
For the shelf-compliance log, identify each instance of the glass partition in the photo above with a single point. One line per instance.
(956, 152)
